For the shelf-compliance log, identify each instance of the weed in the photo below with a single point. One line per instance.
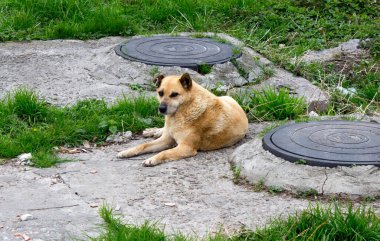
(300, 162)
(154, 71)
(220, 89)
(242, 72)
(204, 68)
(199, 35)
(259, 186)
(236, 171)
(137, 87)
(236, 51)
(275, 189)
(308, 193)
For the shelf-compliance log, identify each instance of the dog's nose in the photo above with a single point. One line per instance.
(163, 108)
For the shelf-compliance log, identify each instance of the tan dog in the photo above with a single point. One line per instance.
(195, 120)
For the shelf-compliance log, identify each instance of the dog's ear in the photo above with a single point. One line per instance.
(157, 81)
(186, 81)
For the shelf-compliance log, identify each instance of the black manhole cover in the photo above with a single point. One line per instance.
(176, 51)
(326, 143)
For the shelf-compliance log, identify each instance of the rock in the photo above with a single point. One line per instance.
(24, 159)
(23, 236)
(313, 114)
(86, 144)
(119, 137)
(170, 204)
(350, 47)
(117, 208)
(26, 217)
(94, 205)
(346, 91)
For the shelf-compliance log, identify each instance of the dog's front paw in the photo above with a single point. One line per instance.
(150, 162)
(125, 154)
(153, 132)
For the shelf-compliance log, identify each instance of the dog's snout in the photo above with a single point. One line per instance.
(163, 108)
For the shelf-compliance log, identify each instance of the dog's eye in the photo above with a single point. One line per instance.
(174, 94)
(161, 93)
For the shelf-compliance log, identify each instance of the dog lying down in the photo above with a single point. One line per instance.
(195, 119)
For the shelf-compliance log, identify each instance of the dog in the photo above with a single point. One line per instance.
(195, 120)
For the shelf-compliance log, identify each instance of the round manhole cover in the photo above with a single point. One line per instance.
(176, 51)
(326, 143)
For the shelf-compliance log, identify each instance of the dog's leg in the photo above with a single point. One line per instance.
(178, 152)
(162, 143)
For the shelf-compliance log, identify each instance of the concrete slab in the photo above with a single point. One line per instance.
(200, 188)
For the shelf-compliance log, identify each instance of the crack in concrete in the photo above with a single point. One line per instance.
(48, 208)
(324, 182)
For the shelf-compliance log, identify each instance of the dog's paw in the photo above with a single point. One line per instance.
(124, 154)
(153, 132)
(149, 162)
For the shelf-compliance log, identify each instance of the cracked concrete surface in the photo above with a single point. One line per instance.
(63, 200)
(201, 188)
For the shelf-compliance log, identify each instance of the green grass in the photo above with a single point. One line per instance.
(263, 25)
(269, 104)
(29, 124)
(333, 223)
(204, 68)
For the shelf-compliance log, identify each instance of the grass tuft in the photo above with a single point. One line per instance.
(270, 104)
(115, 229)
(332, 223)
(27, 106)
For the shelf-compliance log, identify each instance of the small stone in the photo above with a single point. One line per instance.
(26, 217)
(23, 236)
(117, 208)
(86, 144)
(24, 159)
(281, 46)
(119, 137)
(313, 114)
(93, 171)
(170, 204)
(94, 205)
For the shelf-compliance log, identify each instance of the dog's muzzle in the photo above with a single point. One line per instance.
(163, 108)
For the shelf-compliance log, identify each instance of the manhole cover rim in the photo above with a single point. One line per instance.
(192, 65)
(268, 145)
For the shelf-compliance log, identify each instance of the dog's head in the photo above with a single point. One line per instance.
(172, 92)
